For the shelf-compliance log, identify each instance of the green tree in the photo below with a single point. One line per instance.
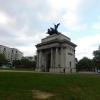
(16, 62)
(85, 64)
(3, 60)
(97, 55)
(24, 63)
(97, 59)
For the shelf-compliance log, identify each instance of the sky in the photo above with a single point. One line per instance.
(23, 23)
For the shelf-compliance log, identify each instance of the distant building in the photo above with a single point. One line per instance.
(11, 53)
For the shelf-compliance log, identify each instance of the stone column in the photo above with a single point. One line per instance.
(51, 58)
(40, 59)
(37, 65)
(73, 62)
(62, 57)
(56, 60)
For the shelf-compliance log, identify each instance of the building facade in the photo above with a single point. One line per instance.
(11, 53)
(56, 53)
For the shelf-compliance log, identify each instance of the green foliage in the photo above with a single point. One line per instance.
(85, 64)
(3, 60)
(96, 55)
(24, 63)
(97, 58)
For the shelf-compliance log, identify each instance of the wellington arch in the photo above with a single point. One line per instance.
(56, 53)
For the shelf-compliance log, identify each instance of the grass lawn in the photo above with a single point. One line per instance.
(24, 86)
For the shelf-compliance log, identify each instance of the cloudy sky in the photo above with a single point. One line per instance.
(23, 23)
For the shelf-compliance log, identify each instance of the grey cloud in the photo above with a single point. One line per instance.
(31, 20)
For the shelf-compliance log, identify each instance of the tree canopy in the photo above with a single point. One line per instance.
(96, 55)
(97, 58)
(3, 59)
(24, 63)
(85, 64)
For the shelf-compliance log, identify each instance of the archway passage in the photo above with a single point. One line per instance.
(48, 61)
